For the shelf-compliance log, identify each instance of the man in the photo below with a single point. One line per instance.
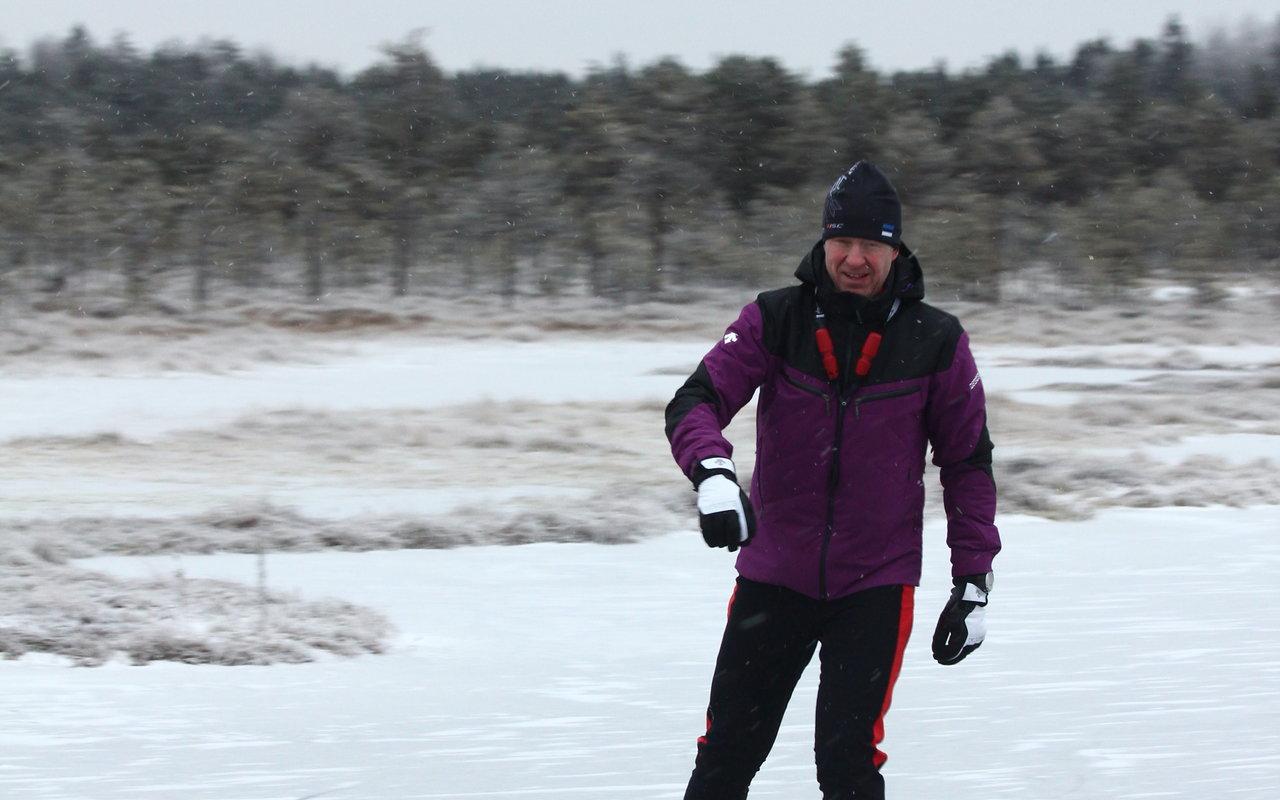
(856, 376)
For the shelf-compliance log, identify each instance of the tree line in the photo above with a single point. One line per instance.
(235, 170)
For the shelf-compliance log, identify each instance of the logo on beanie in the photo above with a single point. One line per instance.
(887, 230)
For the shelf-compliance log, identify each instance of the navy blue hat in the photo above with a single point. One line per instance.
(862, 203)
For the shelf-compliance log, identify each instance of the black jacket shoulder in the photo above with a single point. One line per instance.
(787, 314)
(927, 329)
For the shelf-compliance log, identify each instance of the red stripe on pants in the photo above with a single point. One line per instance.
(728, 612)
(905, 617)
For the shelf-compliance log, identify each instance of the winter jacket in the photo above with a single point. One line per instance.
(838, 490)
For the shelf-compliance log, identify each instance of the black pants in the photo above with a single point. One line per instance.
(771, 636)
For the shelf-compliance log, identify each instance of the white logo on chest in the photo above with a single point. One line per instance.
(730, 338)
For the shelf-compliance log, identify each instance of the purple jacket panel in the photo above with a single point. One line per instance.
(737, 365)
(879, 511)
(878, 501)
(956, 416)
(795, 443)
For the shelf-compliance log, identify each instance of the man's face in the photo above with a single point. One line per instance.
(858, 266)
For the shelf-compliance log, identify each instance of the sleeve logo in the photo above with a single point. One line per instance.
(974, 382)
(730, 337)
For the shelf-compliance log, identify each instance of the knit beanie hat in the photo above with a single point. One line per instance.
(863, 204)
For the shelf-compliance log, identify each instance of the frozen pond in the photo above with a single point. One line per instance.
(132, 461)
(387, 375)
(1134, 655)
(432, 374)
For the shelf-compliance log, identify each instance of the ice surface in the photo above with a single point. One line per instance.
(129, 461)
(1133, 354)
(59, 496)
(1236, 448)
(1133, 655)
(417, 374)
(381, 375)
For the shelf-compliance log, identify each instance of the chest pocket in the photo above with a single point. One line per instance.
(886, 403)
(888, 425)
(795, 439)
(808, 391)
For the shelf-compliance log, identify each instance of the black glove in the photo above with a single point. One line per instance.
(724, 513)
(963, 623)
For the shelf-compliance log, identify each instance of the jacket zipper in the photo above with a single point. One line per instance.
(826, 398)
(833, 480)
(857, 404)
(833, 475)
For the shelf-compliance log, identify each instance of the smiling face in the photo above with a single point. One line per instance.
(858, 266)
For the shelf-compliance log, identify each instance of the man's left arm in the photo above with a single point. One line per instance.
(956, 416)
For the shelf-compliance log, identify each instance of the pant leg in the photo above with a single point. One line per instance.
(863, 638)
(769, 639)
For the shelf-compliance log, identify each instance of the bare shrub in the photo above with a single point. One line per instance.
(89, 617)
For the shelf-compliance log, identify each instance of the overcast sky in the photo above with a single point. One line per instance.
(572, 35)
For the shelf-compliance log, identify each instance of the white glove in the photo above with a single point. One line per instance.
(724, 512)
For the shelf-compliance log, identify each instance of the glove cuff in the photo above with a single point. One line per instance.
(713, 466)
(974, 588)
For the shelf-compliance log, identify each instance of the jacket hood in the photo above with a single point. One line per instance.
(905, 281)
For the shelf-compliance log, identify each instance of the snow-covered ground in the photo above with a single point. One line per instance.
(1134, 648)
(54, 422)
(1134, 655)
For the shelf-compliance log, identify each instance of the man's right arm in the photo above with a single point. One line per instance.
(722, 384)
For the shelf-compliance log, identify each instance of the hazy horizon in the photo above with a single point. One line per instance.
(572, 37)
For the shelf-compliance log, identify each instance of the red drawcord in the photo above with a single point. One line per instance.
(869, 349)
(828, 352)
